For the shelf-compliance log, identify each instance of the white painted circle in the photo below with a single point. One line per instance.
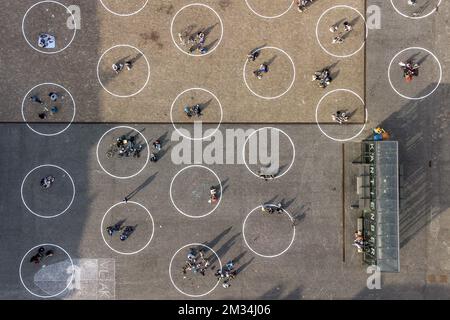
(68, 282)
(170, 269)
(422, 97)
(269, 17)
(112, 93)
(415, 18)
(280, 95)
(137, 251)
(221, 33)
(317, 115)
(269, 128)
(124, 14)
(48, 134)
(317, 31)
(71, 201)
(262, 255)
(189, 167)
(46, 52)
(120, 177)
(192, 89)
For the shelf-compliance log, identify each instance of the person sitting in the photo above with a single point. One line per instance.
(359, 241)
(201, 38)
(267, 208)
(253, 55)
(340, 117)
(47, 181)
(46, 41)
(117, 67)
(188, 111)
(197, 110)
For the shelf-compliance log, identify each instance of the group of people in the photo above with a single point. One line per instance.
(127, 230)
(53, 96)
(126, 147)
(340, 116)
(195, 110)
(270, 208)
(196, 262)
(41, 254)
(323, 77)
(263, 67)
(119, 66)
(226, 274)
(195, 42)
(302, 5)
(46, 41)
(47, 181)
(410, 69)
(347, 27)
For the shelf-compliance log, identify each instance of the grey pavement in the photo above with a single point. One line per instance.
(319, 188)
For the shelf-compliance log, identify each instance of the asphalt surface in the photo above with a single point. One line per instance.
(317, 190)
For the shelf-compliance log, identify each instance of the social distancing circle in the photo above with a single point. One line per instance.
(51, 202)
(67, 116)
(193, 195)
(101, 156)
(73, 30)
(57, 275)
(128, 216)
(177, 268)
(173, 30)
(248, 239)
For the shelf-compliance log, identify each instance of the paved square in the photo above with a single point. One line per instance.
(145, 196)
